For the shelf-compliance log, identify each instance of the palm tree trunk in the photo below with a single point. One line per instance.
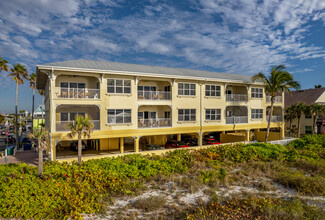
(40, 162)
(269, 122)
(33, 111)
(314, 123)
(42, 112)
(79, 149)
(16, 110)
(298, 132)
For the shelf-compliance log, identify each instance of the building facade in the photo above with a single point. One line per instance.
(308, 97)
(132, 106)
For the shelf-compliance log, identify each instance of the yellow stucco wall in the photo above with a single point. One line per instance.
(260, 136)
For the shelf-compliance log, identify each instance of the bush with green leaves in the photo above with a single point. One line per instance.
(66, 190)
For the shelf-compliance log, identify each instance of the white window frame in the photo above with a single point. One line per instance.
(186, 91)
(210, 91)
(256, 93)
(213, 114)
(257, 113)
(123, 116)
(186, 113)
(115, 86)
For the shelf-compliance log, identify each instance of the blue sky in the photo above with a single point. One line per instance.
(235, 36)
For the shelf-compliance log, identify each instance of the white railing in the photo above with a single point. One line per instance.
(154, 123)
(275, 118)
(282, 142)
(78, 93)
(237, 120)
(63, 125)
(277, 99)
(236, 97)
(154, 95)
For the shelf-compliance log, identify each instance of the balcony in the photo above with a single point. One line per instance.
(277, 99)
(237, 120)
(236, 98)
(154, 95)
(78, 93)
(275, 118)
(154, 123)
(63, 125)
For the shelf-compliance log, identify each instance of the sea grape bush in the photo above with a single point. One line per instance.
(67, 190)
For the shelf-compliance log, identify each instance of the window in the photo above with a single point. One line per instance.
(308, 130)
(70, 116)
(212, 90)
(120, 86)
(186, 89)
(257, 93)
(186, 114)
(212, 114)
(118, 116)
(257, 113)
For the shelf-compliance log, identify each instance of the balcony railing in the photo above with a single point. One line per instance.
(237, 120)
(236, 97)
(78, 93)
(277, 99)
(154, 123)
(275, 118)
(154, 95)
(63, 125)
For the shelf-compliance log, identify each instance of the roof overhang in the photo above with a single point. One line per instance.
(42, 68)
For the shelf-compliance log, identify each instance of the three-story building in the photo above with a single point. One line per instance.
(132, 106)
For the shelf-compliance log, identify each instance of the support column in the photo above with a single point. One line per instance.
(179, 137)
(136, 144)
(282, 132)
(53, 156)
(122, 145)
(200, 142)
(247, 135)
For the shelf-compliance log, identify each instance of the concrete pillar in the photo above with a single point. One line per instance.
(200, 142)
(247, 135)
(122, 145)
(282, 132)
(136, 144)
(179, 137)
(54, 150)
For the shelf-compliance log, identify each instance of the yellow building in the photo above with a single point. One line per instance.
(136, 106)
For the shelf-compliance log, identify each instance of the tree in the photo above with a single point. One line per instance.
(290, 116)
(318, 86)
(315, 110)
(3, 65)
(2, 119)
(40, 137)
(299, 108)
(32, 84)
(82, 127)
(42, 93)
(18, 74)
(278, 80)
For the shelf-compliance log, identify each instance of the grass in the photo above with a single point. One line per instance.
(68, 190)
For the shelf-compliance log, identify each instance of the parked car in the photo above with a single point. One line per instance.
(175, 144)
(74, 146)
(210, 140)
(191, 141)
(153, 147)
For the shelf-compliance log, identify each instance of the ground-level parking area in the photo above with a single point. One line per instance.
(159, 143)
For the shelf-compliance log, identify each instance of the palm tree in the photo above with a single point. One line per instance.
(82, 127)
(3, 65)
(278, 80)
(290, 116)
(18, 73)
(41, 139)
(42, 93)
(32, 84)
(299, 108)
(315, 110)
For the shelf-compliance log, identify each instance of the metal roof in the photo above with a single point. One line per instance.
(146, 69)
